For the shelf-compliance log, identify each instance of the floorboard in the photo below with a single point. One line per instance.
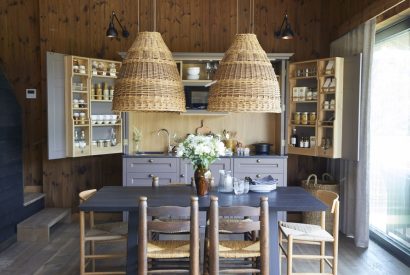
(61, 256)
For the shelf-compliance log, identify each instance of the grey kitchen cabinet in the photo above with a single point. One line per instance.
(186, 170)
(139, 171)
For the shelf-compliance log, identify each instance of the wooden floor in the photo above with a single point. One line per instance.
(61, 256)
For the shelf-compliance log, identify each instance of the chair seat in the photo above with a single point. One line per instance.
(120, 228)
(102, 235)
(305, 232)
(239, 249)
(168, 249)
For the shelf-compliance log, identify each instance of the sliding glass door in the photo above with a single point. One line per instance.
(390, 137)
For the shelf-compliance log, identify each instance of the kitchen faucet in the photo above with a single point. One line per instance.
(168, 136)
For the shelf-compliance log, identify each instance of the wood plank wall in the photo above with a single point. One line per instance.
(32, 27)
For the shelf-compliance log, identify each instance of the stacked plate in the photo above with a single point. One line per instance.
(193, 73)
(262, 188)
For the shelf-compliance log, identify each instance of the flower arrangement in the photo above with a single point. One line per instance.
(201, 150)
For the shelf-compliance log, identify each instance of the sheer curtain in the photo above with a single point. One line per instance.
(354, 175)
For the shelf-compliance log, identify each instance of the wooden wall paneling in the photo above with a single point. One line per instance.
(19, 56)
(222, 24)
(183, 24)
(342, 16)
(397, 13)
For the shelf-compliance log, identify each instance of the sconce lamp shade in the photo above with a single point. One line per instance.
(245, 80)
(148, 80)
(111, 31)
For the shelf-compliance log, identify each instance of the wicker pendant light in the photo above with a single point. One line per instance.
(245, 80)
(148, 79)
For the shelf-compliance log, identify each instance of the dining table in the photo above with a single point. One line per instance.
(126, 199)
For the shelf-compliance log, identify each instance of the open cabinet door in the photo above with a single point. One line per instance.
(55, 106)
(351, 107)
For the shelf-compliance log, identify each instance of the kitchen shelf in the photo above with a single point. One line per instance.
(203, 113)
(103, 76)
(303, 77)
(299, 86)
(83, 87)
(305, 102)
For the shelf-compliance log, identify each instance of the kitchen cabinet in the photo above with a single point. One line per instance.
(92, 128)
(140, 171)
(196, 86)
(174, 169)
(315, 109)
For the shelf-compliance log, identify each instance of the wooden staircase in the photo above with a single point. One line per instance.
(37, 227)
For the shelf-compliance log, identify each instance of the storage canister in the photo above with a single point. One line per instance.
(296, 118)
(305, 118)
(312, 118)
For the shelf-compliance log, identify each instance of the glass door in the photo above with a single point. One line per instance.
(390, 138)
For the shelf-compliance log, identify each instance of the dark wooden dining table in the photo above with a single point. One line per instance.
(119, 198)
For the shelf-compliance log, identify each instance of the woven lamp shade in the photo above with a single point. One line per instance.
(245, 80)
(148, 80)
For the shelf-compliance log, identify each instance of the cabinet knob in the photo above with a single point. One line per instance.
(182, 175)
(151, 175)
(258, 176)
(150, 160)
(258, 160)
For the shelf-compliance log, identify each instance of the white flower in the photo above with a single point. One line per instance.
(201, 150)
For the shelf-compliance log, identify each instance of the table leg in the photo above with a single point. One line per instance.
(132, 243)
(273, 240)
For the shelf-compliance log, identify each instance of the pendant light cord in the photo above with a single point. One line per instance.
(237, 16)
(138, 18)
(155, 15)
(252, 15)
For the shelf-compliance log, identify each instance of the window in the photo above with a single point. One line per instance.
(390, 138)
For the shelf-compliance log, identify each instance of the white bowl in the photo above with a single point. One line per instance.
(113, 121)
(113, 117)
(193, 70)
(192, 77)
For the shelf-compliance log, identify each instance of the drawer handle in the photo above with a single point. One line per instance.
(151, 175)
(258, 160)
(181, 176)
(258, 176)
(150, 160)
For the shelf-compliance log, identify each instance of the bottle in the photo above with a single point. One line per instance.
(306, 143)
(221, 185)
(98, 94)
(302, 142)
(294, 138)
(82, 140)
(228, 182)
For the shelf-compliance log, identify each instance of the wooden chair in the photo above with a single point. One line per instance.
(314, 235)
(98, 233)
(162, 251)
(246, 256)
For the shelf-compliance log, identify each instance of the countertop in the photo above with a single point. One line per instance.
(174, 156)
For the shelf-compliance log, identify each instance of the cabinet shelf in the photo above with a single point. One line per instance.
(303, 77)
(82, 88)
(199, 82)
(80, 74)
(106, 125)
(303, 125)
(328, 123)
(103, 76)
(101, 100)
(305, 101)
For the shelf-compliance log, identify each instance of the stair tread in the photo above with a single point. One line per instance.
(45, 218)
(31, 197)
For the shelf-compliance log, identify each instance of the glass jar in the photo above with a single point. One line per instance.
(296, 118)
(312, 118)
(304, 119)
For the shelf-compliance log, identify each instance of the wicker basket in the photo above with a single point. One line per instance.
(312, 185)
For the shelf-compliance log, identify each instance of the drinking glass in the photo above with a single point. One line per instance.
(238, 186)
(245, 186)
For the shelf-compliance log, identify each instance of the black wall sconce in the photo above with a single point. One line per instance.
(285, 31)
(112, 32)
